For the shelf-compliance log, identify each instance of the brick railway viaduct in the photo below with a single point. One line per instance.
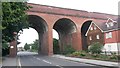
(70, 24)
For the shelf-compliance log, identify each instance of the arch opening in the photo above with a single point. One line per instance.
(56, 47)
(84, 29)
(28, 39)
(65, 28)
(40, 25)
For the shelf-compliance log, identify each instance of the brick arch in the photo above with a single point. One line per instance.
(65, 28)
(61, 21)
(40, 25)
(85, 21)
(84, 28)
(39, 20)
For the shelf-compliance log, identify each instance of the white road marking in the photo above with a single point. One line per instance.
(38, 58)
(51, 63)
(59, 66)
(19, 64)
(47, 61)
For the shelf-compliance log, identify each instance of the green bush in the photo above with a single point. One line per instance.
(68, 49)
(103, 57)
(95, 48)
(79, 53)
(5, 52)
(5, 49)
(56, 48)
(76, 53)
(82, 54)
(114, 56)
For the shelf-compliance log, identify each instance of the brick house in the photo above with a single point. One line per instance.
(105, 33)
(94, 34)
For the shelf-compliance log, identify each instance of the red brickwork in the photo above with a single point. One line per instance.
(52, 14)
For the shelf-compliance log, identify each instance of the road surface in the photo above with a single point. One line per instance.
(33, 60)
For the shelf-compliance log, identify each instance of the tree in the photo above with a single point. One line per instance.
(14, 19)
(5, 49)
(0, 16)
(56, 48)
(26, 46)
(35, 45)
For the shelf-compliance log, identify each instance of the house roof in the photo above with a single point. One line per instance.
(101, 24)
(104, 27)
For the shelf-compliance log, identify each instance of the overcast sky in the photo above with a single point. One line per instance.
(103, 6)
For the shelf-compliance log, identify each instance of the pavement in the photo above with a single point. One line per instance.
(33, 60)
(91, 61)
(8, 61)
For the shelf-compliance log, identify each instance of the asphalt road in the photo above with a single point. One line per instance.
(32, 60)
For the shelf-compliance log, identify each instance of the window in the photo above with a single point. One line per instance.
(107, 25)
(108, 35)
(90, 37)
(95, 28)
(111, 23)
(91, 28)
(97, 36)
